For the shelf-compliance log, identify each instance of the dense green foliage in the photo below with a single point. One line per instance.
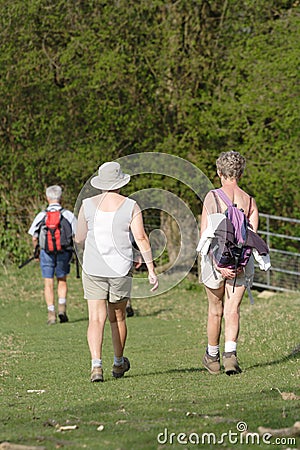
(83, 82)
(45, 372)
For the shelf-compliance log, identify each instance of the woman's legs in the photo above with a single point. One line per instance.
(97, 317)
(232, 312)
(117, 319)
(211, 358)
(232, 327)
(229, 305)
(215, 314)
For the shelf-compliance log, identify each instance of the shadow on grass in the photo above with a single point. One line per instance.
(152, 314)
(82, 319)
(295, 353)
(136, 314)
(164, 372)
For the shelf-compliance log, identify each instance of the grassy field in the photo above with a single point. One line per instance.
(166, 400)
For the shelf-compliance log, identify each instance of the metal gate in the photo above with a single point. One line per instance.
(282, 235)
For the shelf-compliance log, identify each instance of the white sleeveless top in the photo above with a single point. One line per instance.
(108, 248)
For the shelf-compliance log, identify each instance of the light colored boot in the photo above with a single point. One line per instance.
(211, 363)
(51, 318)
(97, 375)
(230, 362)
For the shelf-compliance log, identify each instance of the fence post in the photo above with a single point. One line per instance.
(268, 242)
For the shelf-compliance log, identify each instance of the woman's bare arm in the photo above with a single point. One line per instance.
(81, 229)
(142, 241)
(254, 216)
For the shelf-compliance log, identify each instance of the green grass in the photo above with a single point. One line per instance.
(166, 388)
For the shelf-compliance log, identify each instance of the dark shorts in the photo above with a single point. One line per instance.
(55, 264)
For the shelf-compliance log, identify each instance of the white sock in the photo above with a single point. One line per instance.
(96, 363)
(62, 301)
(230, 346)
(213, 350)
(118, 361)
(51, 308)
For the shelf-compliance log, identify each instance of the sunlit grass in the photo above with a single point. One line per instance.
(44, 371)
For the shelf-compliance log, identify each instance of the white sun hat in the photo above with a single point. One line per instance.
(110, 177)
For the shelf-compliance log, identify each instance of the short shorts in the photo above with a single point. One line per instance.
(55, 264)
(213, 279)
(103, 288)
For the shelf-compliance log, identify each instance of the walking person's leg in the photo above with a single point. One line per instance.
(62, 291)
(62, 270)
(47, 264)
(211, 358)
(215, 314)
(50, 300)
(119, 294)
(97, 317)
(117, 319)
(129, 309)
(232, 327)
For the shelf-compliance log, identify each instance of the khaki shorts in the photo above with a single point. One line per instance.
(213, 279)
(102, 288)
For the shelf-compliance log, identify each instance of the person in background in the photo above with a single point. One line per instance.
(129, 308)
(138, 261)
(105, 222)
(55, 264)
(222, 301)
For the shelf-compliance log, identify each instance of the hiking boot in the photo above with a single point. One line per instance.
(211, 363)
(129, 311)
(96, 374)
(63, 318)
(118, 371)
(62, 315)
(51, 318)
(231, 363)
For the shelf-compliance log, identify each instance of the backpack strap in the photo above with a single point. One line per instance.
(250, 207)
(216, 200)
(223, 196)
(228, 202)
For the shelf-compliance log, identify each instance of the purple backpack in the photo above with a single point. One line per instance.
(228, 247)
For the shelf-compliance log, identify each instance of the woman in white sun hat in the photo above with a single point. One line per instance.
(105, 222)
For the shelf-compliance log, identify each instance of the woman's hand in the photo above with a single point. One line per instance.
(152, 277)
(229, 274)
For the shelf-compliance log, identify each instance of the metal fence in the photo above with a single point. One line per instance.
(282, 235)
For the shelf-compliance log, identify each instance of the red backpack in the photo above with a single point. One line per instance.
(55, 233)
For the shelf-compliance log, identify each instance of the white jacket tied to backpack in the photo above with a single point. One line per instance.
(214, 220)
